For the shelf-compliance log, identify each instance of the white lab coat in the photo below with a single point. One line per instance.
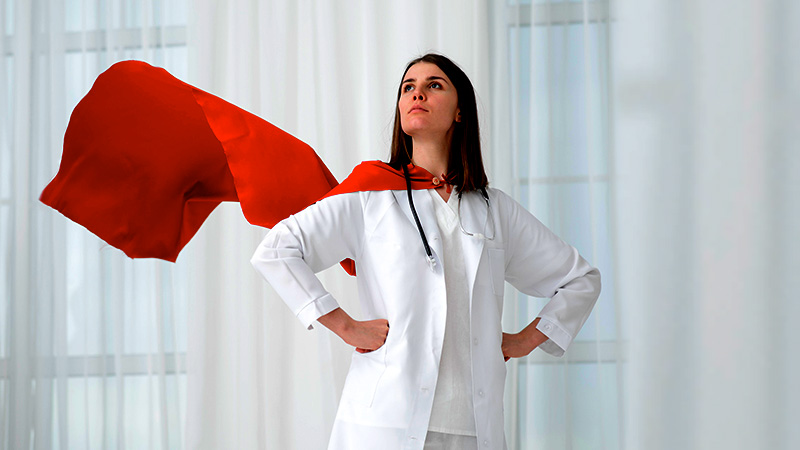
(388, 394)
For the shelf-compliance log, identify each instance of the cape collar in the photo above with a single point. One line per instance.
(380, 176)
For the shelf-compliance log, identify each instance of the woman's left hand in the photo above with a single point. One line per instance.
(517, 345)
(514, 346)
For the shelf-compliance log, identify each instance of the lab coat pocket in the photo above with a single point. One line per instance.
(362, 380)
(497, 267)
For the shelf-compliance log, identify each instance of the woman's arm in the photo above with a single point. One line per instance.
(314, 239)
(540, 264)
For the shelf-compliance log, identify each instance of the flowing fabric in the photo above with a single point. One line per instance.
(147, 157)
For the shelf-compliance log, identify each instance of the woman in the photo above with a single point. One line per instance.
(428, 369)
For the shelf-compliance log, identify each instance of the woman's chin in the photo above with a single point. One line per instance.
(424, 131)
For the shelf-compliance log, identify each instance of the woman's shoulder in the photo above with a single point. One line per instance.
(497, 195)
(505, 204)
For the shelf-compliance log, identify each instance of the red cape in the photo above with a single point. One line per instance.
(148, 157)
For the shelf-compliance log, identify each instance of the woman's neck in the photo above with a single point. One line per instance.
(431, 156)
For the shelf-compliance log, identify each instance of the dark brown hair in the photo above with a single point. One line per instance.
(465, 164)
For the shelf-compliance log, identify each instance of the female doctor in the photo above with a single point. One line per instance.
(428, 370)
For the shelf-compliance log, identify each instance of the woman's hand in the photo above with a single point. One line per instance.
(368, 335)
(365, 336)
(520, 344)
(515, 346)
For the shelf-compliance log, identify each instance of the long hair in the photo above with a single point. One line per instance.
(465, 164)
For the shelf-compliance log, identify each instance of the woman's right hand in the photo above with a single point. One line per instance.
(367, 335)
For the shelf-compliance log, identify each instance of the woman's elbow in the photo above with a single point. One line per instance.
(594, 278)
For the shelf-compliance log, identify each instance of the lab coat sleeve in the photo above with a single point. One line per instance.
(312, 240)
(540, 264)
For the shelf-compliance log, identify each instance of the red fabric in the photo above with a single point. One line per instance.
(148, 157)
(380, 176)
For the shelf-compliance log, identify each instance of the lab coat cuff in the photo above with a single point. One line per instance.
(316, 309)
(558, 339)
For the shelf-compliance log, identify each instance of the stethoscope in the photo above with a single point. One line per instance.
(428, 252)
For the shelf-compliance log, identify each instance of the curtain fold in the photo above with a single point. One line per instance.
(706, 155)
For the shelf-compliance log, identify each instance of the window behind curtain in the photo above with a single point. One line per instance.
(558, 71)
(121, 377)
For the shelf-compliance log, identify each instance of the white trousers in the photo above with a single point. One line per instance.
(442, 441)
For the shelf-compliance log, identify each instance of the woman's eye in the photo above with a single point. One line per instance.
(436, 85)
(407, 88)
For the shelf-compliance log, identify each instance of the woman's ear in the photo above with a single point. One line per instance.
(458, 115)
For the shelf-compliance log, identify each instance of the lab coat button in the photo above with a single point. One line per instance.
(475, 341)
(480, 392)
(547, 327)
(424, 389)
(486, 442)
(412, 438)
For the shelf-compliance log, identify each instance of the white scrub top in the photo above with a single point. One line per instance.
(453, 412)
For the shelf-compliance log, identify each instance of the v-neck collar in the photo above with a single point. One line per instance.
(450, 203)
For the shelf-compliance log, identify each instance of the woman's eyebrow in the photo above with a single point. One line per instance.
(433, 77)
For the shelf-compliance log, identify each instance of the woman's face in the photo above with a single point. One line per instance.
(428, 102)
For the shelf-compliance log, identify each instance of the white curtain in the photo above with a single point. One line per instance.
(663, 146)
(327, 72)
(551, 135)
(707, 96)
(90, 341)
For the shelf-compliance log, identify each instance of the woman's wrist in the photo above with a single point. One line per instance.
(338, 321)
(532, 336)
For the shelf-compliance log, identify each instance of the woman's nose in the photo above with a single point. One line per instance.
(418, 96)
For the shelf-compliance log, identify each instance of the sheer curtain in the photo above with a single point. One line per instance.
(327, 72)
(663, 147)
(708, 101)
(551, 139)
(92, 346)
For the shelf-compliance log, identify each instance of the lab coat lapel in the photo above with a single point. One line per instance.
(427, 217)
(473, 217)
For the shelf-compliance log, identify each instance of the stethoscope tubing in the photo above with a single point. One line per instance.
(428, 252)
